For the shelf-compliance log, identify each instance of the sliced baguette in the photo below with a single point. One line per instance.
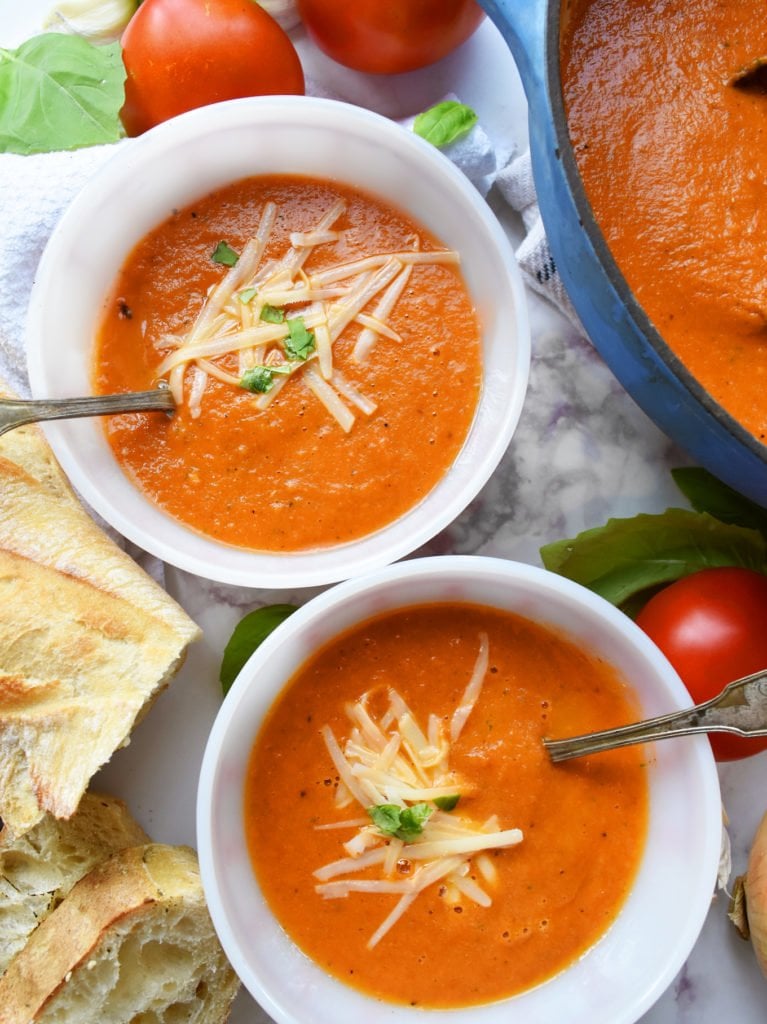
(132, 941)
(87, 639)
(39, 869)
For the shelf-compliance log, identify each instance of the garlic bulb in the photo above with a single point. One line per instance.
(748, 909)
(284, 12)
(756, 894)
(99, 21)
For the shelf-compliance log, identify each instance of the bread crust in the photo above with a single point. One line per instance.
(40, 868)
(87, 639)
(137, 886)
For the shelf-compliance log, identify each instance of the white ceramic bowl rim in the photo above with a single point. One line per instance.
(187, 157)
(634, 962)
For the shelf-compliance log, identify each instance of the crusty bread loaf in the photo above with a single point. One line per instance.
(132, 941)
(38, 870)
(87, 639)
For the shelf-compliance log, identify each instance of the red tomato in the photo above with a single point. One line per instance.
(387, 36)
(182, 54)
(712, 627)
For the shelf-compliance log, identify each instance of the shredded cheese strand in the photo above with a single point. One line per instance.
(342, 313)
(403, 904)
(354, 267)
(350, 823)
(342, 765)
(471, 693)
(329, 398)
(463, 844)
(369, 336)
(468, 887)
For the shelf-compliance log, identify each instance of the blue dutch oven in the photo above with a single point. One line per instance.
(618, 327)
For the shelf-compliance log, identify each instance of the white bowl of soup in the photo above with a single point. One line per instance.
(334, 306)
(381, 832)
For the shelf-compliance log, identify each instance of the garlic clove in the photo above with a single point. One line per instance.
(99, 21)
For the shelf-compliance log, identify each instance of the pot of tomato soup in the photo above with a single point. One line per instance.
(651, 188)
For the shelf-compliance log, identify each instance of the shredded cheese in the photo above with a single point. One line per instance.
(390, 763)
(235, 321)
(471, 693)
(369, 336)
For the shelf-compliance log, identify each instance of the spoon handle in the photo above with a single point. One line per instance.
(741, 709)
(18, 412)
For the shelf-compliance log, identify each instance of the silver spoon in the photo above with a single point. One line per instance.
(740, 709)
(16, 412)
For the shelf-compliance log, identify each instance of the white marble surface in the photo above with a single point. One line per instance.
(583, 452)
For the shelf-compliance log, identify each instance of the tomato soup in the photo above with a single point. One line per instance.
(406, 825)
(345, 417)
(672, 160)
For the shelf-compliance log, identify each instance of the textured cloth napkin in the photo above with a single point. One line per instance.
(515, 183)
(35, 190)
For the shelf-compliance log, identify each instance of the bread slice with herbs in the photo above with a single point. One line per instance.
(133, 941)
(87, 639)
(38, 870)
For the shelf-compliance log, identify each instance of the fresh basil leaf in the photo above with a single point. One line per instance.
(272, 314)
(447, 803)
(412, 820)
(633, 605)
(403, 822)
(707, 494)
(258, 379)
(300, 343)
(385, 817)
(445, 122)
(626, 556)
(60, 92)
(249, 633)
(224, 253)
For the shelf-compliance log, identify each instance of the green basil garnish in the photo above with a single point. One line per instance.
(445, 122)
(224, 253)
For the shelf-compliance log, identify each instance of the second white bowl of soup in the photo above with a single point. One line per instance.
(381, 831)
(337, 312)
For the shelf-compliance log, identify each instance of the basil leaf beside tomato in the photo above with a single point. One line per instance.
(625, 557)
(59, 92)
(694, 580)
(707, 494)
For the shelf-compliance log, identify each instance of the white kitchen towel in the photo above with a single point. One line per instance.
(34, 192)
(515, 183)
